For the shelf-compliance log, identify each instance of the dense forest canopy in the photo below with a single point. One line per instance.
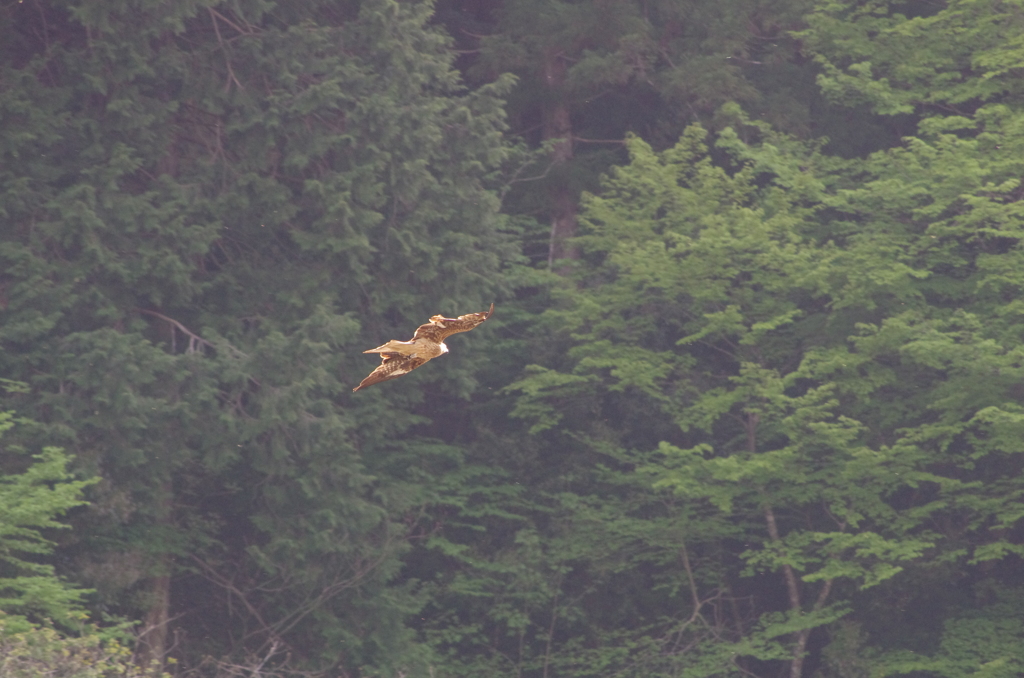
(750, 403)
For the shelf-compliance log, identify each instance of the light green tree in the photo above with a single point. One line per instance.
(834, 395)
(33, 498)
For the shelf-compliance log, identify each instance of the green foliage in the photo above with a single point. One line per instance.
(35, 652)
(31, 501)
(981, 640)
(829, 390)
(898, 57)
(208, 211)
(777, 398)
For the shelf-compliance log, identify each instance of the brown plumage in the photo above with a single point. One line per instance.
(402, 357)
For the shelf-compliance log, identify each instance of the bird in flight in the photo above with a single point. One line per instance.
(402, 357)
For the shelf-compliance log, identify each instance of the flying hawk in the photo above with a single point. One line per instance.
(402, 357)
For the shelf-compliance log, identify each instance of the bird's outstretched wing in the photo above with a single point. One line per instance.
(392, 366)
(402, 357)
(440, 328)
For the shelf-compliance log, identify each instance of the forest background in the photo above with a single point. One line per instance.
(750, 403)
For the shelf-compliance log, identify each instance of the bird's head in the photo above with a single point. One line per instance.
(444, 347)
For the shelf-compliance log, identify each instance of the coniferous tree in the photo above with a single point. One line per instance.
(208, 211)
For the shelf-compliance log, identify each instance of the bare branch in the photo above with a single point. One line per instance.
(194, 339)
(214, 15)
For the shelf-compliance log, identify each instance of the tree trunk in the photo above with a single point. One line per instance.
(152, 646)
(557, 128)
(153, 639)
(796, 664)
(792, 583)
